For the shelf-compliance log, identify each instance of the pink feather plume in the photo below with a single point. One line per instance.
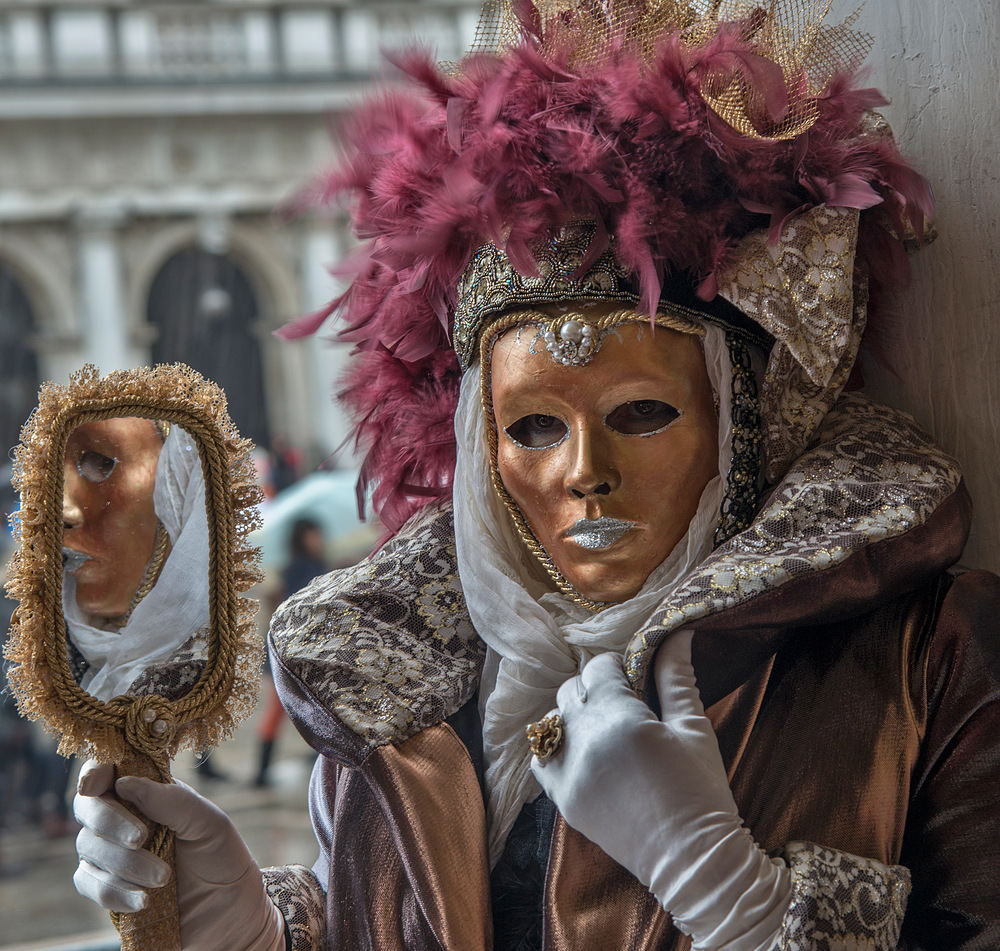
(513, 148)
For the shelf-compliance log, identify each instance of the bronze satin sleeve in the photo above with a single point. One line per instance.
(440, 825)
(952, 837)
(407, 840)
(822, 746)
(592, 902)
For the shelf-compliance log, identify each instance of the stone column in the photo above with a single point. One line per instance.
(101, 295)
(323, 246)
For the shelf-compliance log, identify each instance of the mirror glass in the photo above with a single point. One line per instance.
(135, 558)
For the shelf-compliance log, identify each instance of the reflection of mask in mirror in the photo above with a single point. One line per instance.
(135, 541)
(111, 536)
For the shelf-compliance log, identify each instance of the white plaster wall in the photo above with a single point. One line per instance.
(937, 60)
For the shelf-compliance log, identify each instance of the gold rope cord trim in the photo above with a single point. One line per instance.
(152, 573)
(680, 321)
(39, 674)
(789, 33)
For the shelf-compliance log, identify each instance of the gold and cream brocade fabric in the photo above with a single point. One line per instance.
(297, 894)
(177, 676)
(841, 901)
(387, 646)
(802, 290)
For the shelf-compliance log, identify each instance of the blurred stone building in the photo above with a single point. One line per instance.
(144, 148)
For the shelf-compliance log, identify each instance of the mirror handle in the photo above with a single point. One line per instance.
(157, 926)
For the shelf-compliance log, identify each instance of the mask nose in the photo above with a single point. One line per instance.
(592, 469)
(72, 516)
(602, 488)
(72, 512)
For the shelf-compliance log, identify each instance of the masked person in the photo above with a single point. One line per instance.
(617, 278)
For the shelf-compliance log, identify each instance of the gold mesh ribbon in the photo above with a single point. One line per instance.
(788, 33)
(587, 27)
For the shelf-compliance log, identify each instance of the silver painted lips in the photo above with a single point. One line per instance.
(597, 533)
(73, 561)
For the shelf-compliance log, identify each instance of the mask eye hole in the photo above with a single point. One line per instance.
(95, 466)
(537, 431)
(641, 417)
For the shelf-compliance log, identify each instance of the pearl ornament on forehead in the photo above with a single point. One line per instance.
(574, 337)
(573, 344)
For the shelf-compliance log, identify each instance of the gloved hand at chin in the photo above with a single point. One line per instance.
(654, 795)
(220, 892)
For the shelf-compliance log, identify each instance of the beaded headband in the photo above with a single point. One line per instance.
(574, 337)
(490, 285)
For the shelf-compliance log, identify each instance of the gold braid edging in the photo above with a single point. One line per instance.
(842, 901)
(739, 504)
(300, 898)
(152, 573)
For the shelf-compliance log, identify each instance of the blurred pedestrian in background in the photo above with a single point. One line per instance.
(286, 463)
(34, 778)
(306, 561)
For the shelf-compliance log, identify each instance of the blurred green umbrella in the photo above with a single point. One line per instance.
(329, 500)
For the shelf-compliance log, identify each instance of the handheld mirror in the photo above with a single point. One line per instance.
(132, 639)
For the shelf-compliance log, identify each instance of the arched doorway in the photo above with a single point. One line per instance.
(206, 312)
(19, 379)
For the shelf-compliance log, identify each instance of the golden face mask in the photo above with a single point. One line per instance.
(603, 436)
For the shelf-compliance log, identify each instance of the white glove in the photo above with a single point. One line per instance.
(654, 795)
(220, 892)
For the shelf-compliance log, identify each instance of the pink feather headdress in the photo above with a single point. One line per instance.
(509, 148)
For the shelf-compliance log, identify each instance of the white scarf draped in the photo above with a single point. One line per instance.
(538, 638)
(177, 606)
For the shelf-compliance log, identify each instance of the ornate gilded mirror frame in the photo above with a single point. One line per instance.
(138, 733)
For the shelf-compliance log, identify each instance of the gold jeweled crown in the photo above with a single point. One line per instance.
(490, 285)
